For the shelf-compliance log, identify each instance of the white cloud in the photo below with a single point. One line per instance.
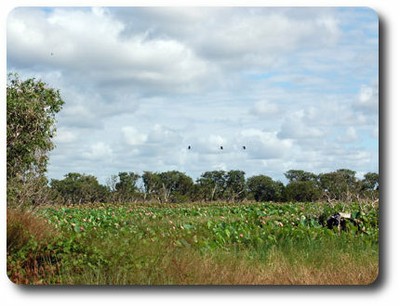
(350, 135)
(217, 141)
(207, 145)
(259, 37)
(296, 126)
(164, 136)
(264, 109)
(99, 151)
(264, 145)
(65, 136)
(132, 136)
(331, 26)
(90, 44)
(367, 98)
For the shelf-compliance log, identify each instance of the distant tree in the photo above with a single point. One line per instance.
(169, 186)
(303, 186)
(212, 185)
(371, 181)
(235, 185)
(152, 185)
(112, 182)
(31, 109)
(339, 185)
(78, 188)
(370, 186)
(125, 187)
(300, 176)
(264, 188)
(302, 191)
(196, 193)
(176, 186)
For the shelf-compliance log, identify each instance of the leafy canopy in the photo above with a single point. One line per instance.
(31, 109)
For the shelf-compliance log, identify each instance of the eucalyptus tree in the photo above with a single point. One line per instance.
(264, 188)
(235, 185)
(76, 188)
(125, 188)
(31, 126)
(212, 184)
(370, 186)
(168, 186)
(303, 186)
(176, 186)
(339, 185)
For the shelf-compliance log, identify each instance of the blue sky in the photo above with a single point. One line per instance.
(297, 86)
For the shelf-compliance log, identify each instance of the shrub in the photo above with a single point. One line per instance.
(30, 260)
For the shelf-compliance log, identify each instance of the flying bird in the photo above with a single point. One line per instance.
(221, 147)
(244, 147)
(189, 147)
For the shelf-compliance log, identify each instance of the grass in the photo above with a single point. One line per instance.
(157, 265)
(188, 245)
(29, 260)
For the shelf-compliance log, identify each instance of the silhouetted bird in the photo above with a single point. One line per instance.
(221, 147)
(189, 147)
(244, 147)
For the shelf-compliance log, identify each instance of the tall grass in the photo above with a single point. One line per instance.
(131, 261)
(29, 260)
(160, 266)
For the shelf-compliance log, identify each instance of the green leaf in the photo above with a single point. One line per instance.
(187, 226)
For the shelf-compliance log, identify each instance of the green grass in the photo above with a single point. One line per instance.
(219, 243)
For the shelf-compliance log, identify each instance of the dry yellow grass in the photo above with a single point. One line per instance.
(37, 266)
(191, 268)
(23, 226)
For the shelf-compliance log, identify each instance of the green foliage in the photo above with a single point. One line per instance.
(78, 188)
(104, 244)
(31, 109)
(300, 176)
(235, 185)
(302, 187)
(152, 185)
(212, 185)
(339, 185)
(370, 186)
(264, 188)
(176, 186)
(302, 191)
(221, 185)
(126, 189)
(212, 226)
(169, 186)
(231, 186)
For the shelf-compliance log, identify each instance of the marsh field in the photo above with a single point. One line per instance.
(215, 243)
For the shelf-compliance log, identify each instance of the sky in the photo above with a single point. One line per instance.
(298, 87)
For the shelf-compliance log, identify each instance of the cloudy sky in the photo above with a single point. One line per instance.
(297, 86)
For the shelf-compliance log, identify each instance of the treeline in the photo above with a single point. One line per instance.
(218, 185)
